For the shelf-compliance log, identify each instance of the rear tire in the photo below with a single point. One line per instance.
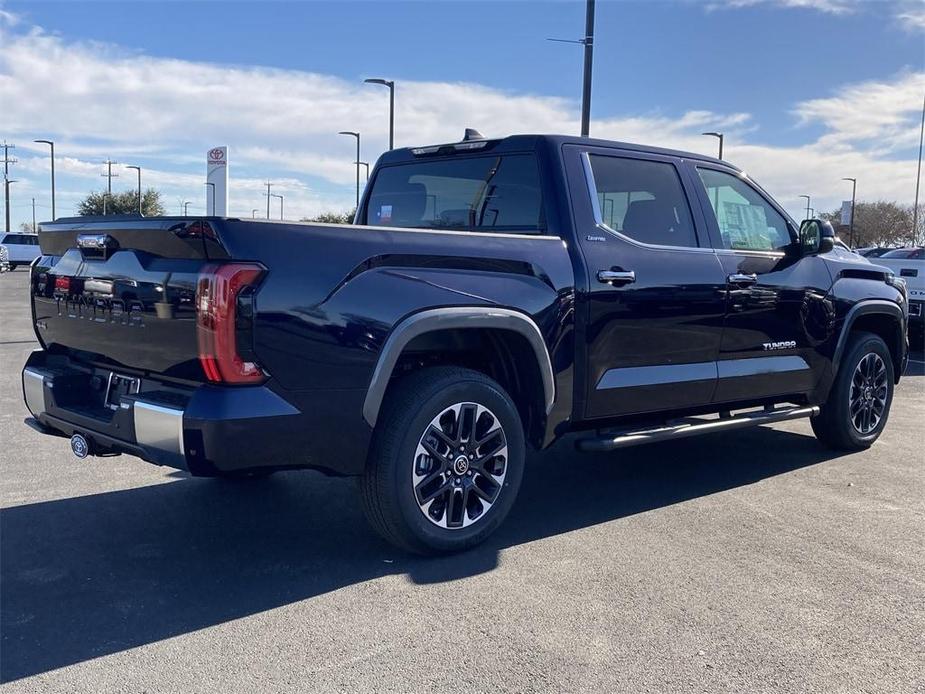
(446, 461)
(858, 406)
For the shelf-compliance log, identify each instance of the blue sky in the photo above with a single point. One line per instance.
(807, 90)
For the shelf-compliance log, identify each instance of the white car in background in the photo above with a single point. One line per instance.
(909, 264)
(18, 248)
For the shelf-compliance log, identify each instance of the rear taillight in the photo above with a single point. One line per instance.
(218, 325)
(63, 284)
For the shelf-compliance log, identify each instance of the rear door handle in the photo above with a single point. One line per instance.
(616, 277)
(741, 279)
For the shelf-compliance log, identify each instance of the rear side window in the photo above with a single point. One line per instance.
(14, 238)
(490, 193)
(643, 200)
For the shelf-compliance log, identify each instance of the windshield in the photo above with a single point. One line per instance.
(905, 253)
(487, 193)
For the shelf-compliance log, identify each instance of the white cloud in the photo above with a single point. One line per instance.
(913, 18)
(100, 101)
(827, 6)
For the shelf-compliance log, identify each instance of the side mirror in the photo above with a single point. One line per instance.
(816, 236)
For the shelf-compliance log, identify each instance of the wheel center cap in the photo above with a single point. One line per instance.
(868, 393)
(461, 465)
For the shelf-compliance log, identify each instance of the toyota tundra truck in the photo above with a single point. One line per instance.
(492, 295)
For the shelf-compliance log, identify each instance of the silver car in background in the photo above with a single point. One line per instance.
(18, 248)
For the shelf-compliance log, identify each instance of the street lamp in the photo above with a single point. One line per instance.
(854, 190)
(807, 205)
(391, 85)
(357, 136)
(366, 164)
(52, 145)
(277, 195)
(213, 200)
(254, 213)
(138, 169)
(186, 204)
(720, 137)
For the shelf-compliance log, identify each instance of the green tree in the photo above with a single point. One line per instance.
(125, 202)
(332, 217)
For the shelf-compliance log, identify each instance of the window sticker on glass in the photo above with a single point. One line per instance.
(385, 213)
(747, 226)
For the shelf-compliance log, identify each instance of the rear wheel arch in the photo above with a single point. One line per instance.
(504, 344)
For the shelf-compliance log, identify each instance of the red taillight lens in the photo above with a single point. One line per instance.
(63, 284)
(216, 307)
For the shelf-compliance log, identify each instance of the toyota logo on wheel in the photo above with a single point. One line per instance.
(216, 154)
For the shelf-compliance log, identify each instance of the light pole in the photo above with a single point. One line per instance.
(268, 198)
(277, 195)
(366, 164)
(138, 169)
(588, 43)
(186, 204)
(6, 185)
(918, 179)
(34, 229)
(357, 136)
(52, 145)
(854, 190)
(213, 200)
(719, 136)
(391, 85)
(807, 205)
(254, 213)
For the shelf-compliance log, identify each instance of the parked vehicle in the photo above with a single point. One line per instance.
(909, 264)
(493, 295)
(874, 251)
(18, 249)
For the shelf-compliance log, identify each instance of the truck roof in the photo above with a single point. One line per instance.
(519, 143)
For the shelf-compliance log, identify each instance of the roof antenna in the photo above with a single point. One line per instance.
(472, 134)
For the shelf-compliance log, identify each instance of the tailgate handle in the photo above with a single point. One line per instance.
(96, 245)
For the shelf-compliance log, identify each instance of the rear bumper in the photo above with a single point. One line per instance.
(207, 429)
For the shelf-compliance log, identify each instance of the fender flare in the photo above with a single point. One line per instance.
(863, 308)
(448, 319)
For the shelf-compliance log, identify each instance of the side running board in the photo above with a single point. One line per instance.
(693, 427)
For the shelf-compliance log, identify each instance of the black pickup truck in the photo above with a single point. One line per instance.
(493, 294)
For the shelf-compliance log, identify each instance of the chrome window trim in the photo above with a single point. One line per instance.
(599, 218)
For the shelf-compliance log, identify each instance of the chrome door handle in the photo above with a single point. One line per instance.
(616, 277)
(739, 278)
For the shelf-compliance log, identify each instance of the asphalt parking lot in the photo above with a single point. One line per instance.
(745, 562)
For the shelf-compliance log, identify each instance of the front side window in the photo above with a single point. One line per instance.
(488, 193)
(746, 220)
(643, 200)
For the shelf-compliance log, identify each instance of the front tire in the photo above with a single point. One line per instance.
(446, 461)
(858, 406)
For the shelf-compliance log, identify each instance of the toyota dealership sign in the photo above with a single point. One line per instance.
(217, 174)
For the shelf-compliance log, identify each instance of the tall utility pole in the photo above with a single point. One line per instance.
(268, 198)
(52, 145)
(109, 175)
(6, 179)
(34, 228)
(589, 59)
(918, 180)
